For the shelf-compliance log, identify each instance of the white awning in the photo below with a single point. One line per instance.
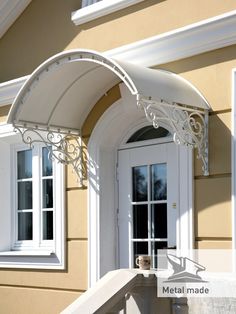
(61, 92)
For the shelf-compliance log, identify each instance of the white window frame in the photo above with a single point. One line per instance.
(99, 9)
(37, 242)
(50, 254)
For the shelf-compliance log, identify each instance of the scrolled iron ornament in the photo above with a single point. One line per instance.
(64, 148)
(189, 125)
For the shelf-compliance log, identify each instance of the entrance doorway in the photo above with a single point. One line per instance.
(148, 199)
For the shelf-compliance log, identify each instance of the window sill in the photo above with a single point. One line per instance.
(46, 259)
(100, 9)
(26, 253)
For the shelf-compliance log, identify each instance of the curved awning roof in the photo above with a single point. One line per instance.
(62, 90)
(60, 93)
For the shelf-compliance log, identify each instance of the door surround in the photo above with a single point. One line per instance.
(107, 137)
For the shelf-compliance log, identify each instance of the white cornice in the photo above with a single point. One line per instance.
(9, 90)
(99, 9)
(10, 10)
(206, 35)
(184, 42)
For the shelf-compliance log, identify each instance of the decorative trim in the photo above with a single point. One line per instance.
(184, 42)
(67, 149)
(9, 90)
(10, 10)
(189, 126)
(99, 9)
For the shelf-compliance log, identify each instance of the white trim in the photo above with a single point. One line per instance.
(10, 10)
(99, 9)
(187, 41)
(26, 253)
(45, 255)
(233, 165)
(9, 90)
(102, 187)
(206, 35)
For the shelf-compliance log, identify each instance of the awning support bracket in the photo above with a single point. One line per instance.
(66, 148)
(189, 124)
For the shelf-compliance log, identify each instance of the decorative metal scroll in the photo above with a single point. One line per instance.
(189, 125)
(65, 148)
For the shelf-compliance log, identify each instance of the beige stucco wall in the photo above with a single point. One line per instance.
(34, 36)
(211, 73)
(44, 29)
(4, 112)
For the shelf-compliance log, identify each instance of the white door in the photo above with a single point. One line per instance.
(148, 201)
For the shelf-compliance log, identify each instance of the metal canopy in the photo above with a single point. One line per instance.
(60, 93)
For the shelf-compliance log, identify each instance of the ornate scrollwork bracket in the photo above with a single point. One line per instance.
(189, 125)
(65, 147)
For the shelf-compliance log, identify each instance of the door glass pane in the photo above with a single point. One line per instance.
(47, 193)
(24, 164)
(148, 133)
(158, 182)
(24, 195)
(47, 225)
(140, 248)
(25, 228)
(159, 220)
(140, 221)
(140, 187)
(47, 163)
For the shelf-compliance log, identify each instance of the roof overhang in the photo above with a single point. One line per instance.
(60, 93)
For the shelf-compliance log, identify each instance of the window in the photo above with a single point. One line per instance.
(86, 3)
(34, 190)
(93, 9)
(148, 133)
(32, 206)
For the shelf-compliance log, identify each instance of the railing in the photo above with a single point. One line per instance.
(122, 291)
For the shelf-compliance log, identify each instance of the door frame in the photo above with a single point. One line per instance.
(158, 151)
(103, 187)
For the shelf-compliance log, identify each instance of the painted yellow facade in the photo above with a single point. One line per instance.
(45, 29)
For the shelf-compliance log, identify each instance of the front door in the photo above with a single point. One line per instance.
(148, 198)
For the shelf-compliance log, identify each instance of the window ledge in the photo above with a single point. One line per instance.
(100, 9)
(26, 253)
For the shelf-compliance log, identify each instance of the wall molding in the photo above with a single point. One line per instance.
(206, 35)
(9, 90)
(10, 10)
(193, 39)
(99, 9)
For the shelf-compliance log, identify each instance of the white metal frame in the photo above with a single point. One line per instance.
(35, 257)
(102, 188)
